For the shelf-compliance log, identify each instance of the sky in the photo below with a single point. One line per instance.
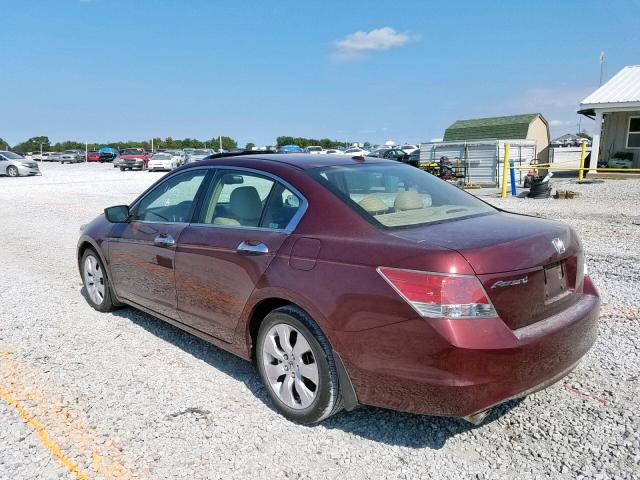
(106, 70)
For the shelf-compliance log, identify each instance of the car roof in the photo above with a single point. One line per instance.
(300, 161)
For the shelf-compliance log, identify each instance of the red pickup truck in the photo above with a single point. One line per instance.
(134, 158)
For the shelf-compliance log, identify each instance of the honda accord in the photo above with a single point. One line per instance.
(350, 280)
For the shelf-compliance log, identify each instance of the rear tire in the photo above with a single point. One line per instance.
(12, 171)
(296, 365)
(96, 282)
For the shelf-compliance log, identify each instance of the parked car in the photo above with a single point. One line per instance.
(409, 149)
(117, 161)
(414, 158)
(108, 154)
(93, 156)
(178, 155)
(54, 156)
(356, 151)
(391, 154)
(72, 156)
(199, 154)
(44, 156)
(162, 161)
(290, 149)
(333, 151)
(314, 150)
(14, 165)
(350, 282)
(133, 158)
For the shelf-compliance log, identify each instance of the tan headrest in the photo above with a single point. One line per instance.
(372, 205)
(225, 221)
(409, 200)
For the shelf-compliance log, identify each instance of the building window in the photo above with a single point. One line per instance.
(633, 136)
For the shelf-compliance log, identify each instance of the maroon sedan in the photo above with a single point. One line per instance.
(350, 281)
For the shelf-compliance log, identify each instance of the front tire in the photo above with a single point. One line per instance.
(96, 282)
(12, 171)
(296, 365)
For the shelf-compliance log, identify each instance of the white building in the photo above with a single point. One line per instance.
(615, 106)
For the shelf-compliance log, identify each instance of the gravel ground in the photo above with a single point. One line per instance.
(125, 395)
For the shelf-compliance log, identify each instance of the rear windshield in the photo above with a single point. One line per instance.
(399, 195)
(132, 151)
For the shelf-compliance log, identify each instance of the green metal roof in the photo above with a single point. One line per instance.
(500, 128)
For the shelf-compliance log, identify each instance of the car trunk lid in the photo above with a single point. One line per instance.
(529, 267)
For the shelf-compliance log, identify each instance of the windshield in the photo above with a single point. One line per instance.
(131, 151)
(11, 155)
(399, 195)
(201, 152)
(314, 149)
(161, 156)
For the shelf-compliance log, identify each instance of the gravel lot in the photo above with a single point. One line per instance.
(127, 396)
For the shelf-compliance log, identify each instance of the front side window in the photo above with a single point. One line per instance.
(398, 195)
(633, 137)
(241, 199)
(173, 200)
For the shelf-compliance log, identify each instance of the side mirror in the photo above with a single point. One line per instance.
(117, 214)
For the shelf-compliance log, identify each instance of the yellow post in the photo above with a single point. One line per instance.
(583, 155)
(505, 169)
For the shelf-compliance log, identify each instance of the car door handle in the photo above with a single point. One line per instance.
(164, 240)
(252, 249)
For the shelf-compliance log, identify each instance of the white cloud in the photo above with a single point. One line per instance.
(561, 123)
(536, 99)
(358, 44)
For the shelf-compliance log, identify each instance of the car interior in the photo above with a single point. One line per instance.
(264, 203)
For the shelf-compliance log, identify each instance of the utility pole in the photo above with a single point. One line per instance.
(220, 138)
(601, 66)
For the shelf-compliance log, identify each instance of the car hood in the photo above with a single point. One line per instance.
(499, 242)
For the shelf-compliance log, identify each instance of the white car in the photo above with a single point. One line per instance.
(409, 148)
(162, 161)
(178, 155)
(314, 150)
(334, 151)
(356, 151)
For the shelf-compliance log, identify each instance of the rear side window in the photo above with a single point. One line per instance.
(398, 195)
(240, 199)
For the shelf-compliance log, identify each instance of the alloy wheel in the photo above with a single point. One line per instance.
(290, 366)
(94, 279)
(12, 171)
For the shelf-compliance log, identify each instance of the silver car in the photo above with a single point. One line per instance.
(15, 165)
(72, 156)
(199, 154)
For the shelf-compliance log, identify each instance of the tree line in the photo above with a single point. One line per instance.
(34, 144)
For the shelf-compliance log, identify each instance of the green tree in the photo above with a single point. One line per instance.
(33, 144)
(250, 146)
(227, 143)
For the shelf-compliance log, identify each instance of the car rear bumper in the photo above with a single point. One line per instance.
(410, 366)
(158, 166)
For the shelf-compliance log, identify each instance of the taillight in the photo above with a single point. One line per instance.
(440, 295)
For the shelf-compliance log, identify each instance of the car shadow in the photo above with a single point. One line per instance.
(377, 424)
